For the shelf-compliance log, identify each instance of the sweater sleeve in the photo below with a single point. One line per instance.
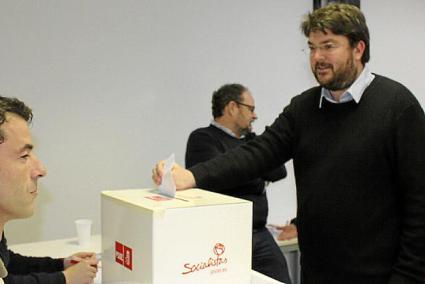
(34, 270)
(251, 160)
(202, 147)
(276, 174)
(410, 158)
(36, 278)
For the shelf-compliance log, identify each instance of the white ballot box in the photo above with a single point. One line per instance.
(258, 278)
(197, 237)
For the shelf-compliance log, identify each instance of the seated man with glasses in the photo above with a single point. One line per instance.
(234, 112)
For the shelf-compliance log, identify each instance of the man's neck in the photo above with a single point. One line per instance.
(228, 124)
(336, 94)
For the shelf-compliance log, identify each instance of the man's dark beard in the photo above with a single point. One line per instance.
(245, 131)
(342, 80)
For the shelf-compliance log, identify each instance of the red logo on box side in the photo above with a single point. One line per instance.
(119, 253)
(124, 255)
(128, 258)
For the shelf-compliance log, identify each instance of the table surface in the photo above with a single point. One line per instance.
(67, 247)
(60, 248)
(288, 245)
(57, 248)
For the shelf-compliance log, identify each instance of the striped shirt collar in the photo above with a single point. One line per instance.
(355, 91)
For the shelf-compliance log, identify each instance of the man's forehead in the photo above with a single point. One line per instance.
(15, 129)
(318, 36)
(247, 96)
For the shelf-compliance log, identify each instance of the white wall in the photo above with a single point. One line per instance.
(117, 85)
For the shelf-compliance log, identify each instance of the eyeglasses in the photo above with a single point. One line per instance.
(250, 107)
(325, 48)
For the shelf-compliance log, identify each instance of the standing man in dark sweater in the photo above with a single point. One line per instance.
(20, 170)
(233, 109)
(357, 144)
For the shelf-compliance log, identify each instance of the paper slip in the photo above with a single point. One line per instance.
(167, 186)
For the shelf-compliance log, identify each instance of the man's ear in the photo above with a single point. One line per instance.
(232, 108)
(359, 50)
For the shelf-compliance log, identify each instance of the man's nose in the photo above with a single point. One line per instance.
(39, 169)
(317, 55)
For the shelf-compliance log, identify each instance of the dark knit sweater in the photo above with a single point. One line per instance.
(360, 176)
(208, 142)
(30, 270)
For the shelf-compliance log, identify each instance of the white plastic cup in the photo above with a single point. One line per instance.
(83, 231)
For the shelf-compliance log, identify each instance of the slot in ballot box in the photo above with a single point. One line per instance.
(197, 237)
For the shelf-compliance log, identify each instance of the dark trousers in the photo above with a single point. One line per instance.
(267, 257)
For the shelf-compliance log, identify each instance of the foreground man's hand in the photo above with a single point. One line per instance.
(183, 178)
(82, 272)
(77, 257)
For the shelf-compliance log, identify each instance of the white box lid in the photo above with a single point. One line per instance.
(151, 199)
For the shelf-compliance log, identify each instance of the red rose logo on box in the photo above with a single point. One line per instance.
(123, 255)
(212, 262)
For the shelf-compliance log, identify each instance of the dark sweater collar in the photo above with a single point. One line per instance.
(328, 106)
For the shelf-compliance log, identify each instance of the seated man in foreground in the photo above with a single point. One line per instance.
(20, 170)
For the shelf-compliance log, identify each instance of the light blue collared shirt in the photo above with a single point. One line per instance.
(225, 129)
(355, 91)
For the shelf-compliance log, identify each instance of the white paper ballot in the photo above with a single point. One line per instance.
(167, 186)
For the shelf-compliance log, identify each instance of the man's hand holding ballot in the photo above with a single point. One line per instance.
(183, 178)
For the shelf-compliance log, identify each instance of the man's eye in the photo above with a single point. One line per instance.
(24, 157)
(328, 46)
